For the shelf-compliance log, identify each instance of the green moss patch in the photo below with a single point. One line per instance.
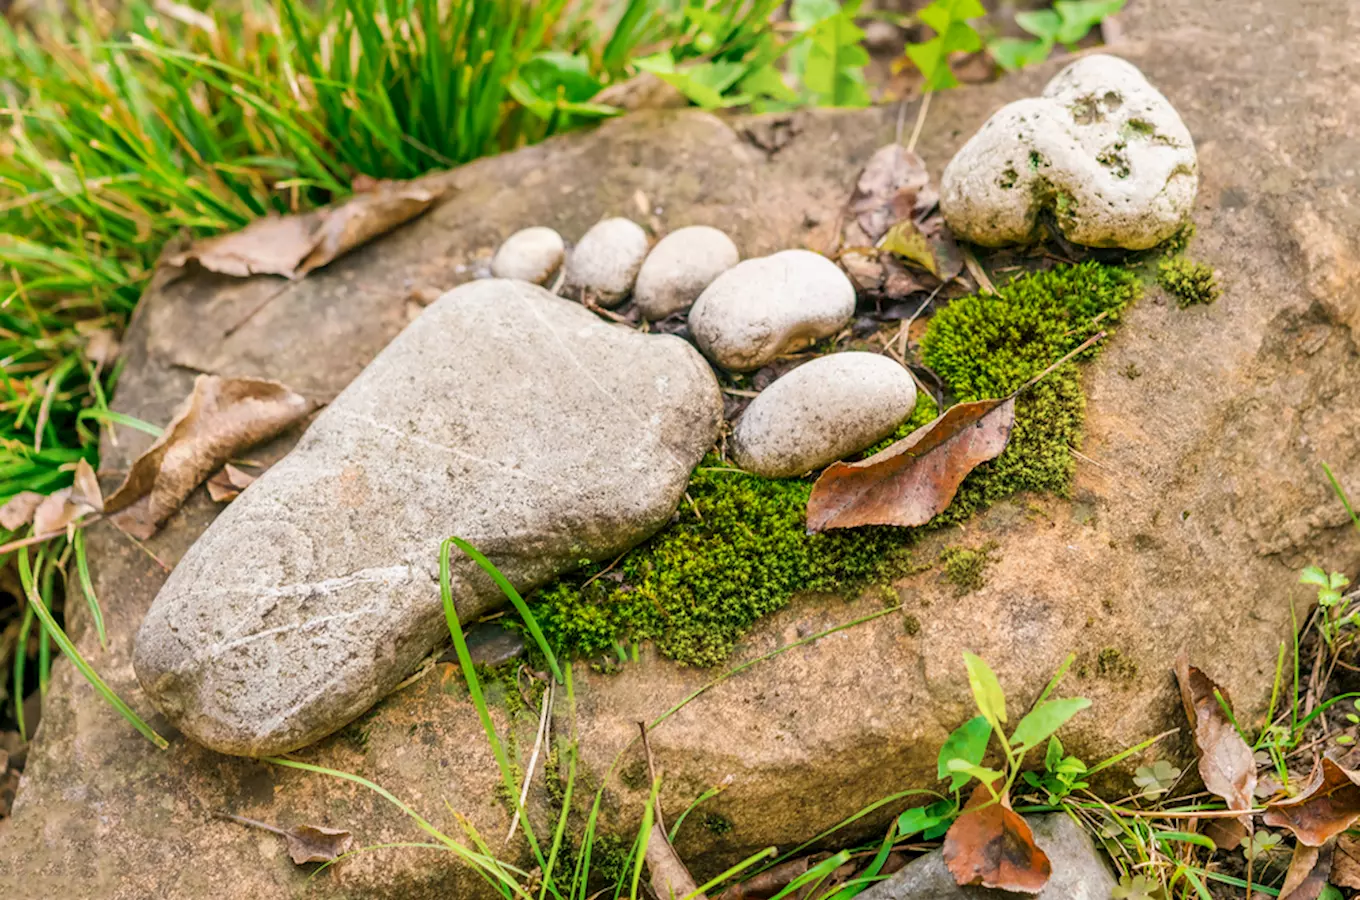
(965, 568)
(1188, 281)
(738, 548)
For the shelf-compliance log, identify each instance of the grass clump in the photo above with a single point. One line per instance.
(1188, 281)
(989, 345)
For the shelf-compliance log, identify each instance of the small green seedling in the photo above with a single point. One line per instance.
(1062, 773)
(1260, 845)
(1136, 887)
(962, 755)
(1067, 23)
(1335, 607)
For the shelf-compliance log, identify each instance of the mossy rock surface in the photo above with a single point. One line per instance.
(1235, 406)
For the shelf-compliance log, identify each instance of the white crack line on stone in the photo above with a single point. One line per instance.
(402, 435)
(566, 349)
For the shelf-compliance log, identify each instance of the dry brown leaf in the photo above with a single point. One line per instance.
(992, 846)
(670, 879)
(894, 186)
(57, 511)
(1308, 872)
(1346, 862)
(312, 843)
(1327, 806)
(929, 244)
(226, 485)
(86, 487)
(1225, 761)
(221, 417)
(18, 510)
(102, 348)
(292, 246)
(1227, 834)
(915, 479)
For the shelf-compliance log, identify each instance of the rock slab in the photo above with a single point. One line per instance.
(1079, 871)
(514, 419)
(1102, 150)
(822, 411)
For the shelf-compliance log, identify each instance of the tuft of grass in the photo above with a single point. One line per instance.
(1188, 281)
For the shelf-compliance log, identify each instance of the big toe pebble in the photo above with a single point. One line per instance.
(1101, 149)
(605, 263)
(679, 267)
(531, 254)
(822, 411)
(762, 308)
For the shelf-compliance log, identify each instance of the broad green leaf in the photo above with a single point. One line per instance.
(1013, 54)
(915, 820)
(1330, 893)
(1054, 755)
(968, 742)
(1315, 576)
(1080, 16)
(981, 773)
(835, 62)
(987, 693)
(810, 12)
(767, 82)
(943, 13)
(703, 83)
(1042, 23)
(1045, 719)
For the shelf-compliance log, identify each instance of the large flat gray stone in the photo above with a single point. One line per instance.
(514, 419)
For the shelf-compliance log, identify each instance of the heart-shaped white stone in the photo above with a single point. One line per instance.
(1101, 149)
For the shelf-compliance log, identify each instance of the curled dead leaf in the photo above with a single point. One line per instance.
(292, 246)
(915, 479)
(221, 417)
(1225, 761)
(992, 846)
(893, 186)
(18, 510)
(1308, 872)
(57, 511)
(1346, 862)
(102, 348)
(227, 483)
(670, 878)
(1328, 804)
(928, 243)
(85, 489)
(306, 843)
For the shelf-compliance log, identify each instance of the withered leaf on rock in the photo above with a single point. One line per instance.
(1328, 804)
(670, 878)
(306, 843)
(1308, 872)
(1225, 761)
(992, 846)
(221, 417)
(915, 479)
(292, 246)
(893, 186)
(226, 485)
(18, 510)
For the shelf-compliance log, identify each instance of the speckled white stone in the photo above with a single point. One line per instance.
(679, 267)
(1101, 149)
(762, 308)
(822, 411)
(605, 262)
(531, 254)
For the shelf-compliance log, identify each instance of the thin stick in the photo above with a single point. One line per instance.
(920, 121)
(605, 569)
(1086, 344)
(533, 759)
(42, 538)
(651, 773)
(253, 823)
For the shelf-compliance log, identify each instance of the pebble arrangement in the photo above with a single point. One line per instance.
(523, 422)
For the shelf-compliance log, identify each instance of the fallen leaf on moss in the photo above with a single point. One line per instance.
(292, 246)
(1328, 804)
(226, 485)
(669, 876)
(1308, 872)
(1346, 862)
(1225, 761)
(915, 479)
(221, 417)
(992, 846)
(306, 843)
(894, 185)
(18, 510)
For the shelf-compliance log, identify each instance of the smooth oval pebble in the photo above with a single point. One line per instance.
(679, 267)
(764, 307)
(822, 411)
(605, 263)
(530, 254)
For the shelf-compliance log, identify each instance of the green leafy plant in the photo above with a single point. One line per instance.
(1334, 607)
(1066, 23)
(969, 743)
(1157, 778)
(953, 34)
(1062, 774)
